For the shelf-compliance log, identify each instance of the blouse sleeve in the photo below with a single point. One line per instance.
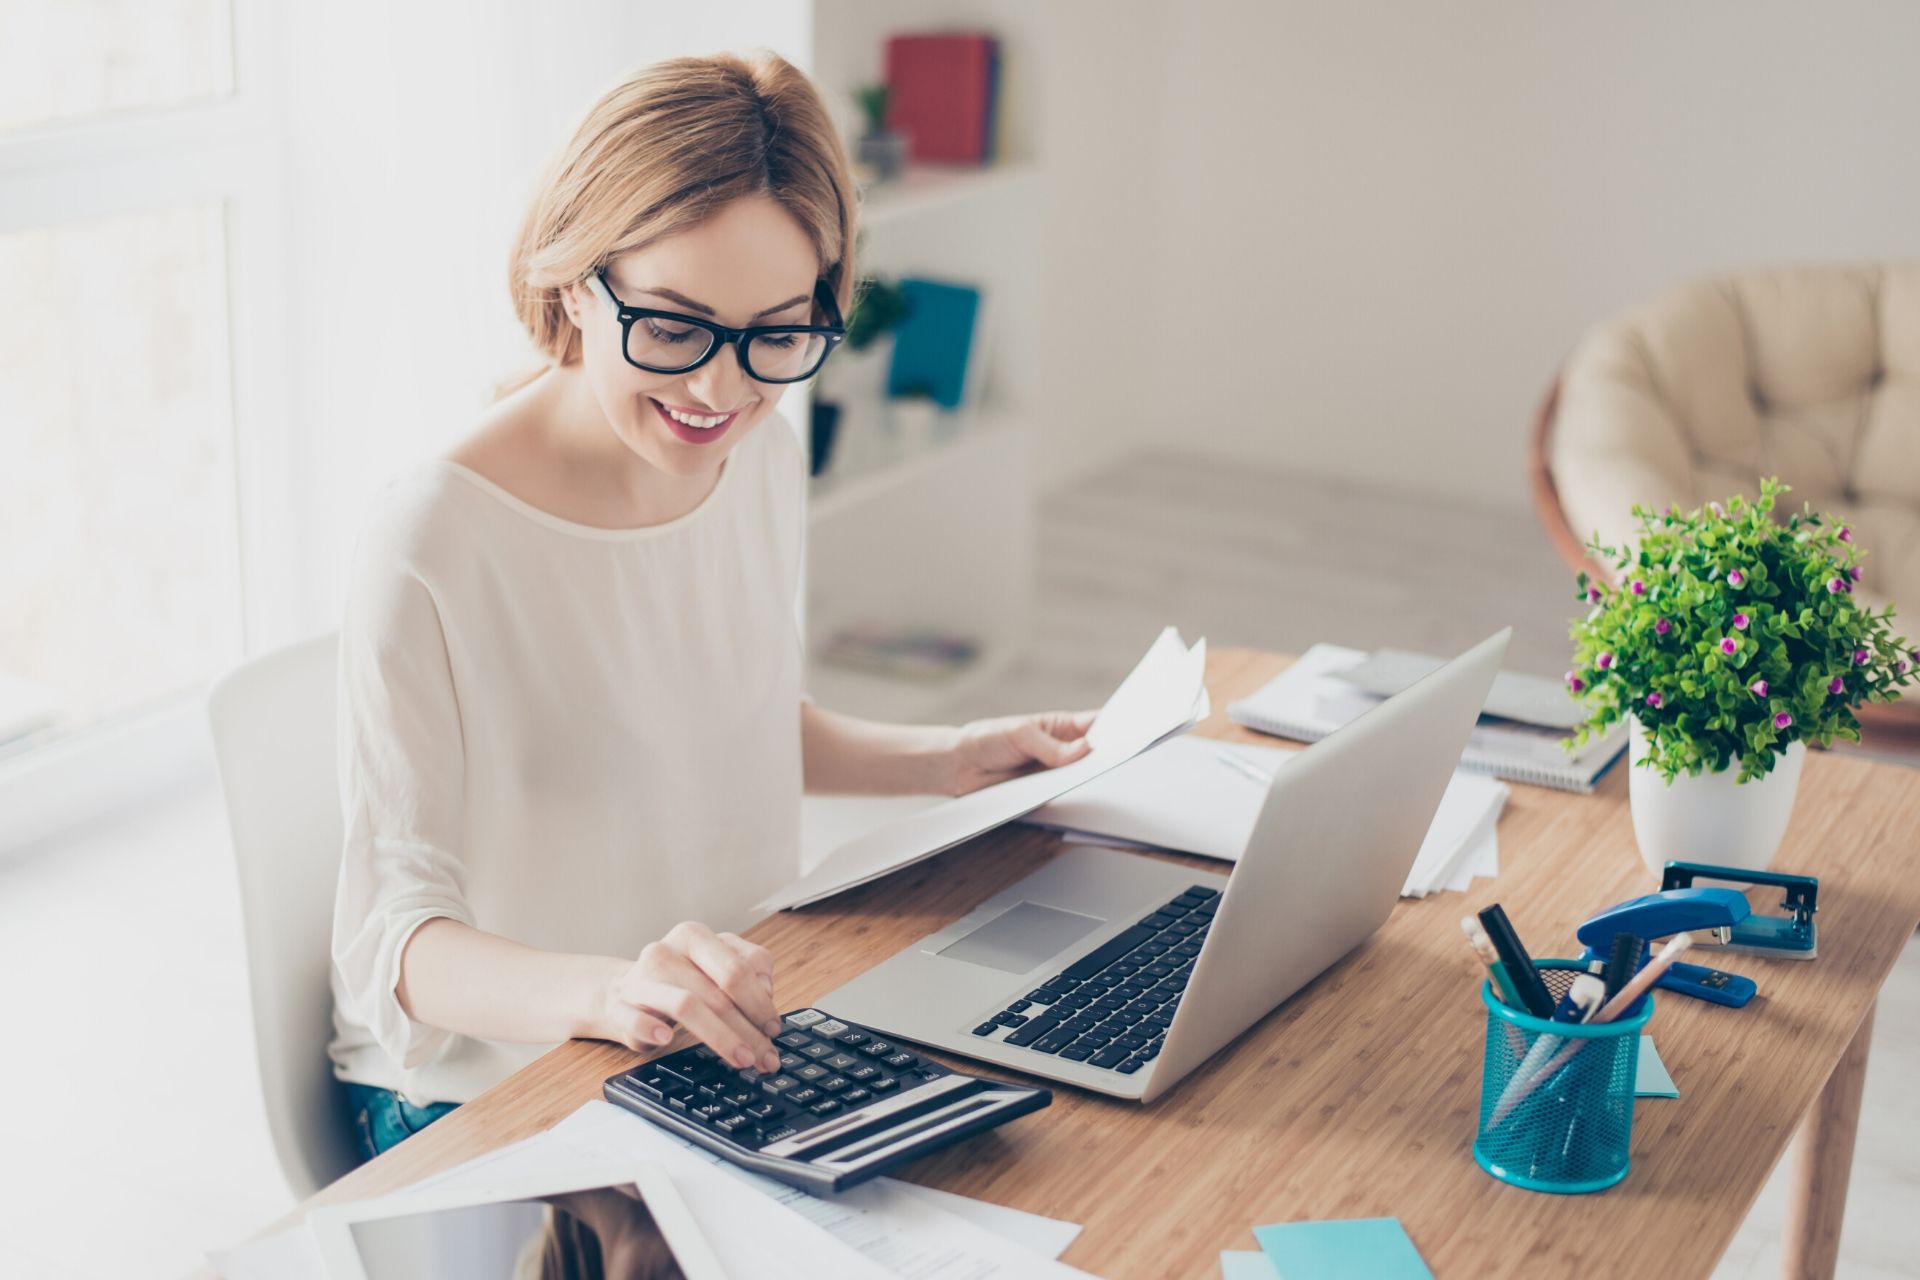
(401, 767)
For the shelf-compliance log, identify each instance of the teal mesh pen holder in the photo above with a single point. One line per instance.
(1556, 1098)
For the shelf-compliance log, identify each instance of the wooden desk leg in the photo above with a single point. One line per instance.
(1819, 1198)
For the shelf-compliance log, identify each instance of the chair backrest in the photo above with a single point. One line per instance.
(273, 736)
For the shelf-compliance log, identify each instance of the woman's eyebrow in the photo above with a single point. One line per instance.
(705, 310)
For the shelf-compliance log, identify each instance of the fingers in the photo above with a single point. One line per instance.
(668, 983)
(750, 989)
(1034, 738)
(639, 1029)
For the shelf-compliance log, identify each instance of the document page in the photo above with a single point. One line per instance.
(1164, 694)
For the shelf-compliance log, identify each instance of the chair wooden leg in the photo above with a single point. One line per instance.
(1819, 1199)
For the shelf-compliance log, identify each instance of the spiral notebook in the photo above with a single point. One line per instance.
(1308, 701)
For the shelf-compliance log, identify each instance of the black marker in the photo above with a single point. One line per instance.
(1533, 993)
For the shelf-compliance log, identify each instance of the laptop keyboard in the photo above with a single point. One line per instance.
(1111, 1008)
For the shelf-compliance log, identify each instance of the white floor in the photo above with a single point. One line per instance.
(134, 1138)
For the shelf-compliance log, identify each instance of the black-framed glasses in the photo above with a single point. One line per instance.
(670, 342)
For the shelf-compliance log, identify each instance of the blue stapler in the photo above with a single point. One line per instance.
(1683, 907)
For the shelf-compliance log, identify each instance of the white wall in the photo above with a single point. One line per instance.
(413, 135)
(1388, 222)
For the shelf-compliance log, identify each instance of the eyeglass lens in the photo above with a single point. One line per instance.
(666, 345)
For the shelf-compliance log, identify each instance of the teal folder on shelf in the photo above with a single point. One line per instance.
(1377, 1248)
(933, 344)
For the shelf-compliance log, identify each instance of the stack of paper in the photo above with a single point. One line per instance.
(1310, 699)
(1164, 695)
(756, 1226)
(1198, 796)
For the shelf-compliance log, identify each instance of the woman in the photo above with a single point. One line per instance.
(572, 735)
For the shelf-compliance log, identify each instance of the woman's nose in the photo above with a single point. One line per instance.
(719, 381)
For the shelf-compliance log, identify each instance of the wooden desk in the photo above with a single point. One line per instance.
(1359, 1096)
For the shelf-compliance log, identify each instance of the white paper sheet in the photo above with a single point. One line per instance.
(902, 1232)
(1164, 694)
(1183, 795)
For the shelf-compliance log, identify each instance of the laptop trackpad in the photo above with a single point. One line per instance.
(1021, 937)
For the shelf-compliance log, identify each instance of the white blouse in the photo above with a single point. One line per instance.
(568, 736)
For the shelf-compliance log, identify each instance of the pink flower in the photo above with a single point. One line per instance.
(1575, 683)
(1729, 646)
(1846, 534)
(1902, 666)
(1759, 688)
(1860, 657)
(1740, 621)
(1837, 686)
(1593, 595)
(1736, 579)
(1654, 699)
(1836, 585)
(1604, 661)
(1854, 573)
(1639, 588)
(1662, 626)
(1782, 720)
(1716, 508)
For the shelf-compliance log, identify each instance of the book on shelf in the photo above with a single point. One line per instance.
(942, 89)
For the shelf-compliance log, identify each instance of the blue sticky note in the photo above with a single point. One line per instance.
(1244, 1264)
(1651, 1078)
(1377, 1248)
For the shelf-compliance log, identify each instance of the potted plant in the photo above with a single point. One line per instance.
(881, 149)
(1729, 641)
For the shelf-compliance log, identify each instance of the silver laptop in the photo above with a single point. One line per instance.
(1121, 973)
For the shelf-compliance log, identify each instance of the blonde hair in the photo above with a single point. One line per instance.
(659, 152)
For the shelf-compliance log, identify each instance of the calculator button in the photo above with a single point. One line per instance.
(801, 1097)
(793, 1040)
(830, 1028)
(900, 1060)
(701, 1051)
(853, 1039)
(805, 1018)
(778, 1084)
(852, 1096)
(817, 1051)
(876, 1048)
(737, 1097)
(812, 1071)
(762, 1110)
(834, 1084)
(824, 1107)
(863, 1073)
(788, 1061)
(840, 1061)
(728, 1123)
(884, 1084)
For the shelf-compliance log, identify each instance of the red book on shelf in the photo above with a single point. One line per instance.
(940, 95)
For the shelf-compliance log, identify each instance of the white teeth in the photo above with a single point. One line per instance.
(696, 420)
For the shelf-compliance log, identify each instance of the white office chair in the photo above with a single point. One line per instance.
(273, 735)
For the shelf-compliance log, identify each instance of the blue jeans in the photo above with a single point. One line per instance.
(382, 1118)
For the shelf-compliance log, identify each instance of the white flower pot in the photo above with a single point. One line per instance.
(1711, 817)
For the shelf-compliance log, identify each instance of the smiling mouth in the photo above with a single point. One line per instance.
(693, 427)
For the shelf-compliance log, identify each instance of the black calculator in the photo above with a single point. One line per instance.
(846, 1104)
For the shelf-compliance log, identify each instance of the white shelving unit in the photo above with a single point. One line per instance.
(937, 535)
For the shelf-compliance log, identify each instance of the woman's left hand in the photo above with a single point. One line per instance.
(990, 751)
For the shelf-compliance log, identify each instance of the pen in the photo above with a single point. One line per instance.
(1534, 996)
(1233, 761)
(1477, 938)
(1624, 959)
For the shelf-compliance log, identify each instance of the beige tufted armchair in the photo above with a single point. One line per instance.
(1808, 373)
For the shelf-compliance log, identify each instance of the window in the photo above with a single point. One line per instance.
(134, 214)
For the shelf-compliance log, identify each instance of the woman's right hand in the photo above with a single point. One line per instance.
(718, 986)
